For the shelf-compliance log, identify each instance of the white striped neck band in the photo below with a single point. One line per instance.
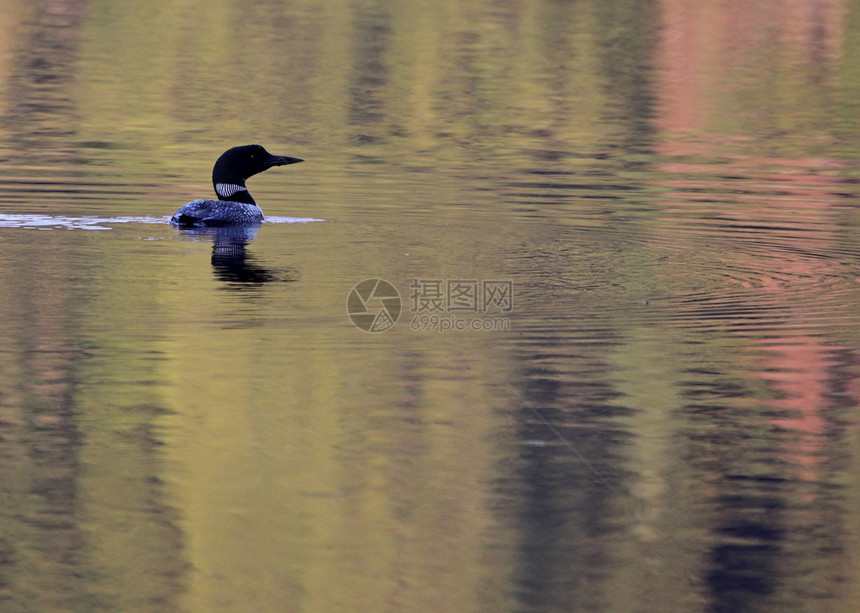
(225, 190)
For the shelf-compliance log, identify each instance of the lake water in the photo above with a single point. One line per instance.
(619, 244)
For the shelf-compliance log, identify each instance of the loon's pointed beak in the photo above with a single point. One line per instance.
(281, 160)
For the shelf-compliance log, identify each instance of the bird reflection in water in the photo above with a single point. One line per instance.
(231, 261)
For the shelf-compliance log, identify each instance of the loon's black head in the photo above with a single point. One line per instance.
(237, 164)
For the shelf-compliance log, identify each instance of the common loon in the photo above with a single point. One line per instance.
(235, 204)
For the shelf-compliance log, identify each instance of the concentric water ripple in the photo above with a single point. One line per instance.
(757, 275)
(697, 274)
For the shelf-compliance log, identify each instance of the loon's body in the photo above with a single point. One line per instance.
(217, 213)
(235, 205)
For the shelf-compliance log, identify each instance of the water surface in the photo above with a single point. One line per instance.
(624, 371)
